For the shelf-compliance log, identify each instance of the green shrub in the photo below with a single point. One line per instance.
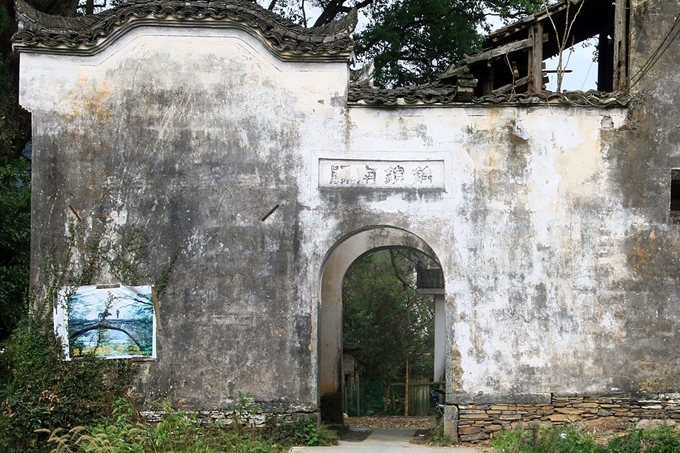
(303, 431)
(437, 436)
(180, 432)
(664, 439)
(15, 236)
(631, 442)
(565, 439)
(569, 439)
(40, 390)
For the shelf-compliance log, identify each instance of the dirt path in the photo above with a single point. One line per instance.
(394, 433)
(387, 441)
(391, 422)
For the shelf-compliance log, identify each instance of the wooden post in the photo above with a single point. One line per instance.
(406, 392)
(358, 397)
(535, 63)
(487, 88)
(620, 70)
(386, 398)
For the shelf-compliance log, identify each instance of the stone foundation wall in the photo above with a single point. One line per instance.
(228, 417)
(599, 413)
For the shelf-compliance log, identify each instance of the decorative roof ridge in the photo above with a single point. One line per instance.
(438, 93)
(89, 34)
(591, 98)
(432, 93)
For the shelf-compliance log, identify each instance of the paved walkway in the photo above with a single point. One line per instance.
(385, 441)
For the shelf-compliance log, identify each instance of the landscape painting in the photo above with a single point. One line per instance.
(109, 322)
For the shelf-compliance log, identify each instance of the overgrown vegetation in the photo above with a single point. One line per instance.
(436, 434)
(300, 432)
(52, 405)
(386, 323)
(15, 224)
(571, 439)
(181, 432)
(39, 390)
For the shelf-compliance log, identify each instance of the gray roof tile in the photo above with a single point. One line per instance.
(89, 34)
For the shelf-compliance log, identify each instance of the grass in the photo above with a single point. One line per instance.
(180, 432)
(571, 439)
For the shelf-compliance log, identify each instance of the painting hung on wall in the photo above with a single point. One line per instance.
(106, 321)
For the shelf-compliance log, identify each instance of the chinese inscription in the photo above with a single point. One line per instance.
(381, 174)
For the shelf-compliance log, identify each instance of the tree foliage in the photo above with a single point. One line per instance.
(385, 321)
(411, 41)
(15, 226)
(15, 122)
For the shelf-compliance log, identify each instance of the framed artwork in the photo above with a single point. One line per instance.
(108, 321)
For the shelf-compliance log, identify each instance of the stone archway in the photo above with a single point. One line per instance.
(336, 264)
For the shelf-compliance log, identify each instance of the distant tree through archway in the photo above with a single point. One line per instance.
(336, 264)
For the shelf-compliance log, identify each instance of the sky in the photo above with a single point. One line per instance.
(584, 75)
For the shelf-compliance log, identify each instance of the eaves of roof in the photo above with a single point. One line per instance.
(439, 94)
(87, 35)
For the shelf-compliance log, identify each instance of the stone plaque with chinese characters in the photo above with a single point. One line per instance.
(382, 174)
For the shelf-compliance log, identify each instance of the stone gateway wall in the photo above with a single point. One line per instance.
(228, 139)
(595, 413)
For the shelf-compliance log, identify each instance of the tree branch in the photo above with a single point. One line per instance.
(335, 7)
(397, 274)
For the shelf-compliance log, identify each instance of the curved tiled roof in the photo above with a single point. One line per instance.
(446, 94)
(566, 98)
(422, 94)
(89, 34)
(433, 93)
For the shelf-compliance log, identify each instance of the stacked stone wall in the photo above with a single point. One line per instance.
(227, 417)
(596, 413)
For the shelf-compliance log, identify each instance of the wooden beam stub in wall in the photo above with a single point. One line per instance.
(620, 58)
(535, 63)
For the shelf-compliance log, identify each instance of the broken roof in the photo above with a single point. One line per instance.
(464, 82)
(591, 16)
(512, 58)
(40, 32)
(509, 70)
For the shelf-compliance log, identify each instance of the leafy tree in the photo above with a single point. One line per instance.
(384, 317)
(15, 195)
(15, 122)
(15, 225)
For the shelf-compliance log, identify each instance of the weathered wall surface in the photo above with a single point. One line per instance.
(528, 231)
(191, 138)
(646, 151)
(551, 223)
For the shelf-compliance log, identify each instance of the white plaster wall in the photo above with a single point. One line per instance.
(529, 229)
(211, 55)
(529, 208)
(194, 135)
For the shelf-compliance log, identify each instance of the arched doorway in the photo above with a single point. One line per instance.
(338, 260)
